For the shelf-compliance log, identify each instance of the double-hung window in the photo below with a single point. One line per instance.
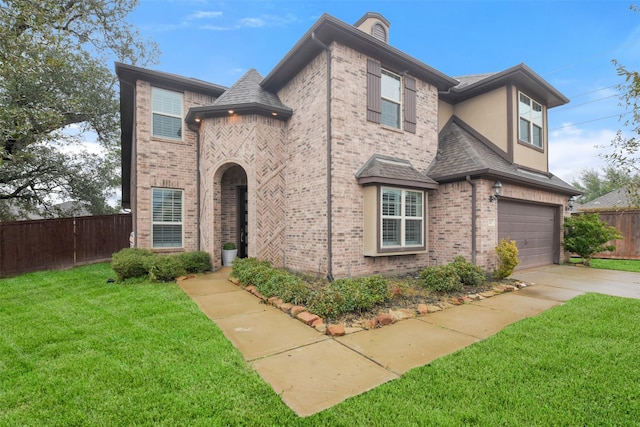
(167, 218)
(531, 121)
(391, 99)
(402, 219)
(167, 113)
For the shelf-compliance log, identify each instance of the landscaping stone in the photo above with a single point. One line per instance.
(296, 309)
(370, 324)
(286, 307)
(433, 308)
(384, 319)
(456, 301)
(335, 331)
(422, 309)
(467, 299)
(322, 328)
(307, 317)
(317, 322)
(487, 294)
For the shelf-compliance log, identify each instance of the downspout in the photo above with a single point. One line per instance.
(196, 129)
(329, 205)
(134, 223)
(473, 219)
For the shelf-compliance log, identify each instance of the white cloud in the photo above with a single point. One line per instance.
(572, 150)
(201, 14)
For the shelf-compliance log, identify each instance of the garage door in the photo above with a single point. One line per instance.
(533, 227)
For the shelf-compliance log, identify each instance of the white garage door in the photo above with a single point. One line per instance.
(534, 228)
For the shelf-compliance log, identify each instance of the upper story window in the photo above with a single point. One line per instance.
(402, 218)
(167, 113)
(391, 98)
(531, 121)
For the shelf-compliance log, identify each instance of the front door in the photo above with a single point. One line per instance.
(243, 221)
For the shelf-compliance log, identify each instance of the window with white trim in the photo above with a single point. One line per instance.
(167, 218)
(167, 113)
(391, 99)
(402, 222)
(531, 121)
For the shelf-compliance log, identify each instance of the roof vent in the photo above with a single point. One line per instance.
(374, 24)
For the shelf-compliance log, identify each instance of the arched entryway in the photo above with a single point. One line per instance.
(233, 217)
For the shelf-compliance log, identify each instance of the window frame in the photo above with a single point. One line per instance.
(155, 223)
(398, 103)
(531, 124)
(154, 91)
(403, 218)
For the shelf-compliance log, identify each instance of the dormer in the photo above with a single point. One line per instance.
(375, 25)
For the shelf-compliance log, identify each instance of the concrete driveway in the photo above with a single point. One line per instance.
(312, 372)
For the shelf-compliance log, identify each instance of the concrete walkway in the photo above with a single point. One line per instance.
(312, 372)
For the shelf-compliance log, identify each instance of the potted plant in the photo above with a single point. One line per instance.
(229, 253)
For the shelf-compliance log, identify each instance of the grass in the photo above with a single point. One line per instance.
(612, 264)
(76, 350)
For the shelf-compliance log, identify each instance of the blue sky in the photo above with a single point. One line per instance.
(569, 43)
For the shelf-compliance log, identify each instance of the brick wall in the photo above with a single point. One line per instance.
(164, 163)
(450, 219)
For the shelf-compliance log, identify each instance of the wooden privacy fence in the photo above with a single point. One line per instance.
(627, 222)
(50, 244)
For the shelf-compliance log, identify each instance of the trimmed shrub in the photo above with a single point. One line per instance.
(327, 302)
(132, 262)
(166, 268)
(508, 258)
(244, 269)
(196, 262)
(441, 278)
(291, 288)
(349, 295)
(470, 274)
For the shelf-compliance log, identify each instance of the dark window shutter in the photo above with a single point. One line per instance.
(374, 93)
(410, 104)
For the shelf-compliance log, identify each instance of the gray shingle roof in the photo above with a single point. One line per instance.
(615, 199)
(381, 169)
(247, 90)
(471, 79)
(460, 154)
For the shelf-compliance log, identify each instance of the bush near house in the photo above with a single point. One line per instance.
(587, 234)
(332, 299)
(135, 262)
(452, 277)
(507, 252)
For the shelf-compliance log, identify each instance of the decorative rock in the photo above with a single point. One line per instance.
(296, 309)
(467, 299)
(234, 280)
(370, 324)
(408, 313)
(456, 301)
(286, 307)
(317, 322)
(335, 331)
(384, 319)
(251, 289)
(275, 301)
(322, 328)
(307, 317)
(487, 294)
(422, 309)
(433, 308)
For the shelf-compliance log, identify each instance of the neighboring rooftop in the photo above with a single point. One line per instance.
(615, 199)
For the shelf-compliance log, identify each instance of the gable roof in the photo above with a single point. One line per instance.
(461, 154)
(245, 96)
(619, 198)
(329, 29)
(521, 76)
(381, 169)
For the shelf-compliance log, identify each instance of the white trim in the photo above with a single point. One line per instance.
(157, 90)
(395, 76)
(403, 218)
(180, 223)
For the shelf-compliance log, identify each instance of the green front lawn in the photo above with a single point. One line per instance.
(612, 264)
(76, 350)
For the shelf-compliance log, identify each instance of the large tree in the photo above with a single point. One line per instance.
(594, 184)
(56, 61)
(625, 154)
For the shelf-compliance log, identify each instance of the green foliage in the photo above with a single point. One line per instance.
(196, 261)
(587, 234)
(247, 270)
(132, 262)
(165, 268)
(229, 246)
(135, 263)
(441, 278)
(594, 184)
(507, 252)
(470, 274)
(56, 70)
(336, 298)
